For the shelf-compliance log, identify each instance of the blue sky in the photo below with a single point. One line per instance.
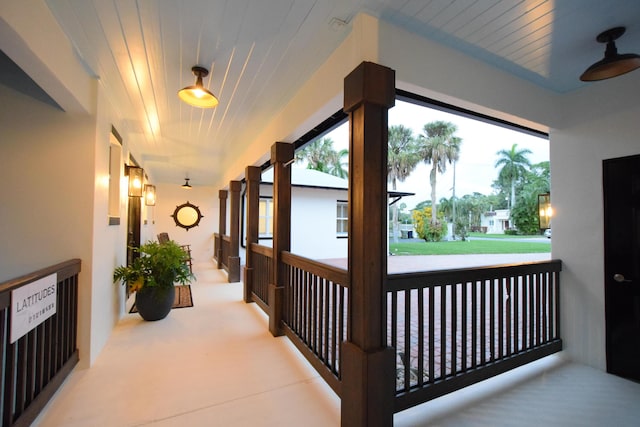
(475, 171)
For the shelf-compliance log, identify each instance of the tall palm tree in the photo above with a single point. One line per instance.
(439, 146)
(515, 164)
(402, 160)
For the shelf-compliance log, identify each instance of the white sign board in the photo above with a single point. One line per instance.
(31, 305)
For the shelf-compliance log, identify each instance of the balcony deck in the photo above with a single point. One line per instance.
(217, 365)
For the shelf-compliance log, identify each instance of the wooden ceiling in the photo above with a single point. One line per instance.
(260, 52)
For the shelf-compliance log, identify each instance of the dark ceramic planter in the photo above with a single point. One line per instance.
(155, 303)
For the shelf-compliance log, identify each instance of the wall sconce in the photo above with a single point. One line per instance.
(150, 195)
(544, 211)
(136, 177)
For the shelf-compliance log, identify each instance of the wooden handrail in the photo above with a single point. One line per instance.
(64, 269)
(261, 249)
(403, 281)
(329, 272)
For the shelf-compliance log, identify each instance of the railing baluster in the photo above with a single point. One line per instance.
(474, 324)
(465, 329)
(454, 328)
(431, 335)
(406, 360)
(483, 322)
(492, 317)
(420, 337)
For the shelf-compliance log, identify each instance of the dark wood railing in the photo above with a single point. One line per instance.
(225, 251)
(217, 246)
(35, 366)
(454, 328)
(315, 313)
(262, 260)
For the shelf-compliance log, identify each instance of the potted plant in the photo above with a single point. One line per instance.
(152, 277)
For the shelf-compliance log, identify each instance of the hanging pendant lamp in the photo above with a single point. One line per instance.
(197, 95)
(186, 184)
(613, 64)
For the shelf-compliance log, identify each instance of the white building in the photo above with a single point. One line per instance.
(495, 221)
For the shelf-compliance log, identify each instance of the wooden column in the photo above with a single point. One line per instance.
(368, 370)
(281, 157)
(222, 222)
(252, 176)
(234, 231)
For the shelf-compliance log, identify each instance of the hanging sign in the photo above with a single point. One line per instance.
(31, 305)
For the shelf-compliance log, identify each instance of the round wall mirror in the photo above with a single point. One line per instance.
(187, 215)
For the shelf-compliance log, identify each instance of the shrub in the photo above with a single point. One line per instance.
(428, 231)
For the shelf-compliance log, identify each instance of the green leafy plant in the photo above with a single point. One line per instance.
(159, 265)
(426, 229)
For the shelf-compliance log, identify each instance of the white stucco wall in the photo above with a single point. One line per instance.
(47, 196)
(599, 122)
(169, 196)
(313, 222)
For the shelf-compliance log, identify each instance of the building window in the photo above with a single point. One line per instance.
(265, 218)
(342, 218)
(491, 223)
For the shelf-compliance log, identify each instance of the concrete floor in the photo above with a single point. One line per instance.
(217, 365)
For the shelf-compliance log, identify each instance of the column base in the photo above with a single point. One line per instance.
(368, 386)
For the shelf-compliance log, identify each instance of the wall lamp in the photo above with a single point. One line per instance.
(544, 211)
(136, 178)
(150, 195)
(613, 64)
(197, 95)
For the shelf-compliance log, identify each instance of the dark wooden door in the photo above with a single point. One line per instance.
(133, 228)
(621, 179)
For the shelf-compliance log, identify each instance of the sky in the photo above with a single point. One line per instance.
(475, 170)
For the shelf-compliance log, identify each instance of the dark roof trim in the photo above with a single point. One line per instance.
(414, 98)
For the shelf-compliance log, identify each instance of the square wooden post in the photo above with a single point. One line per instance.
(368, 368)
(281, 158)
(234, 232)
(222, 223)
(252, 176)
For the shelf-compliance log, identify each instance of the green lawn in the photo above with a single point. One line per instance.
(468, 247)
(501, 236)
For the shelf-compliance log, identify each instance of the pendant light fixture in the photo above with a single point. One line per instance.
(197, 95)
(186, 184)
(613, 64)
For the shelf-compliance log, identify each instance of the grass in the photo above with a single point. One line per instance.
(468, 247)
(502, 236)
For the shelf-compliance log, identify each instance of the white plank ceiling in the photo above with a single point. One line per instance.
(261, 51)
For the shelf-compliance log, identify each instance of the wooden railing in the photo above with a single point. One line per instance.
(315, 313)
(226, 251)
(262, 260)
(217, 246)
(454, 328)
(35, 366)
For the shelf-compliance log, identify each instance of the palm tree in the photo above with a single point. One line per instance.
(515, 164)
(338, 167)
(439, 146)
(403, 159)
(321, 156)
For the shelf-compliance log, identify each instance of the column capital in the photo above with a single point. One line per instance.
(282, 152)
(371, 83)
(253, 173)
(222, 194)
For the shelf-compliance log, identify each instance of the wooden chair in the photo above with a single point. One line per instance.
(164, 238)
